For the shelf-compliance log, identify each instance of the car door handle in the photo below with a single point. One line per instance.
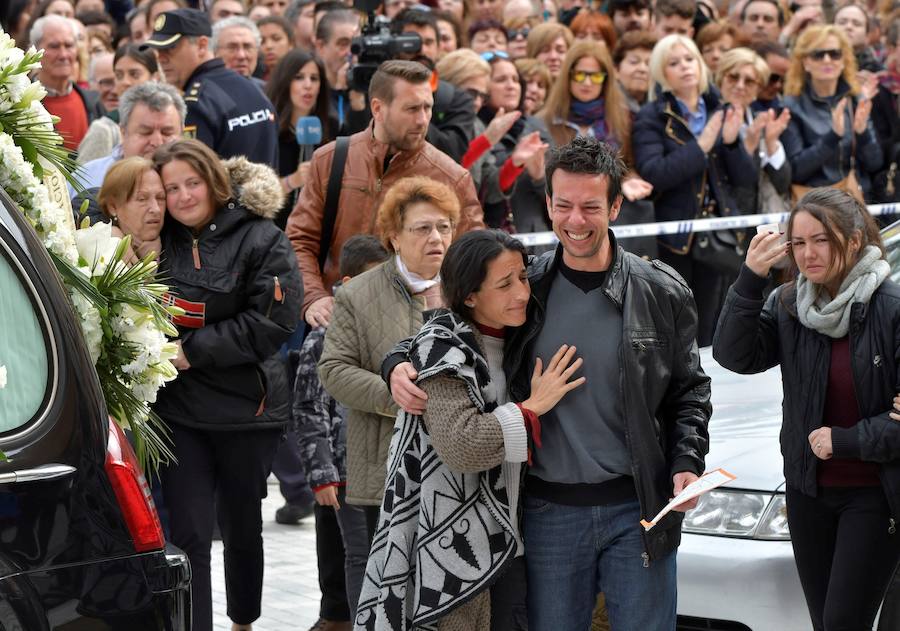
(37, 474)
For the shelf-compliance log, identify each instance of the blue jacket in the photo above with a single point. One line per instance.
(667, 155)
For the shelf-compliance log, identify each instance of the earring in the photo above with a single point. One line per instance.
(469, 304)
(114, 220)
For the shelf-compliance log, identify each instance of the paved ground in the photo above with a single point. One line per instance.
(290, 589)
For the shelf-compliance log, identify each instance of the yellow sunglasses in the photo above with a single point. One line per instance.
(580, 76)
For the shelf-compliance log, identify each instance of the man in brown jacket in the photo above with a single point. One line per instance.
(392, 147)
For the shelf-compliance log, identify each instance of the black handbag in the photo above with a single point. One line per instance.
(722, 250)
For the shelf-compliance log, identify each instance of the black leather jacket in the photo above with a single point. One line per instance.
(665, 393)
(754, 335)
(820, 157)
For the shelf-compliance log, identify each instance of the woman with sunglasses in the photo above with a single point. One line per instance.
(830, 139)
(517, 31)
(740, 73)
(526, 210)
(686, 144)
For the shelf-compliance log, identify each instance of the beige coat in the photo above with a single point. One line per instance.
(372, 312)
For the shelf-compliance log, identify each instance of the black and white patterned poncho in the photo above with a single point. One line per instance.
(443, 537)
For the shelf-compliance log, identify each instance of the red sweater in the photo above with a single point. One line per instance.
(73, 119)
(842, 410)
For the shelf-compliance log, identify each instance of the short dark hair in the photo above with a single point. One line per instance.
(279, 21)
(92, 18)
(465, 265)
(326, 25)
(763, 47)
(382, 85)
(772, 2)
(588, 156)
(146, 58)
(485, 25)
(625, 5)
(685, 9)
(416, 17)
(360, 252)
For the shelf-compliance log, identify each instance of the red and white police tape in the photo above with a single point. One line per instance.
(693, 225)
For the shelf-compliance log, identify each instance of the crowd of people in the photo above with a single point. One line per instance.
(312, 213)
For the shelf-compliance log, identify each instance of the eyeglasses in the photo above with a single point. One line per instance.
(580, 76)
(490, 55)
(834, 54)
(422, 230)
(737, 77)
(775, 78)
(513, 33)
(477, 94)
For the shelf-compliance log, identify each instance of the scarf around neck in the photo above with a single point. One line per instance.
(831, 316)
(415, 282)
(590, 114)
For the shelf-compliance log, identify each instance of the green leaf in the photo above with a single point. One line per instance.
(3, 457)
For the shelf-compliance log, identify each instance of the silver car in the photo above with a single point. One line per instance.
(736, 567)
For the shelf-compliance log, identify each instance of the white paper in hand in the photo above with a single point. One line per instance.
(704, 484)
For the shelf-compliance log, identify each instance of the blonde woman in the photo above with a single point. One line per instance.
(537, 83)
(830, 137)
(687, 145)
(740, 75)
(549, 43)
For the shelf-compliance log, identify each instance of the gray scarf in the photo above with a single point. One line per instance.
(831, 317)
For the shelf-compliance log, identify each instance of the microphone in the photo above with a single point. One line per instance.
(308, 133)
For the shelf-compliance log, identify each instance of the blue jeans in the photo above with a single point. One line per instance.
(575, 552)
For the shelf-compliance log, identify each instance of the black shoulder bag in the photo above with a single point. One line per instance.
(333, 197)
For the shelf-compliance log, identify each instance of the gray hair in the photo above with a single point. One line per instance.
(155, 95)
(40, 25)
(95, 60)
(235, 21)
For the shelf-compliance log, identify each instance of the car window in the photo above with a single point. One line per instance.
(891, 236)
(23, 349)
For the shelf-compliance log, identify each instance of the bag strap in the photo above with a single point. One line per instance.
(333, 197)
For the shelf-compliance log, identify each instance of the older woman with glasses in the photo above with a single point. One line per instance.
(740, 75)
(830, 140)
(373, 312)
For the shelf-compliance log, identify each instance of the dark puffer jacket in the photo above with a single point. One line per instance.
(242, 296)
(754, 335)
(667, 155)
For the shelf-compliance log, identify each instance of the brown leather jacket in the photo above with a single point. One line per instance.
(363, 187)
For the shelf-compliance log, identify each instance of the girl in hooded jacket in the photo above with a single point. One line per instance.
(835, 331)
(234, 274)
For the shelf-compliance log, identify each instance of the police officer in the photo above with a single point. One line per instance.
(224, 110)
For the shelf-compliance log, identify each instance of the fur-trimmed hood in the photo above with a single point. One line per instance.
(256, 186)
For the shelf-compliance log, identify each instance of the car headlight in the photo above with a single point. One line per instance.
(739, 514)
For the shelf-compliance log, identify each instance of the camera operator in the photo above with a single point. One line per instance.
(334, 34)
(452, 126)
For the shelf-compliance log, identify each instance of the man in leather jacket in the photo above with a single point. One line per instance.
(634, 436)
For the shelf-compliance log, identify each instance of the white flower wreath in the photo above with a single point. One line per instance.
(119, 306)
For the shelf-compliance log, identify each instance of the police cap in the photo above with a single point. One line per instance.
(171, 25)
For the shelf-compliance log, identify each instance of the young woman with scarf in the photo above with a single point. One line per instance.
(447, 554)
(835, 331)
